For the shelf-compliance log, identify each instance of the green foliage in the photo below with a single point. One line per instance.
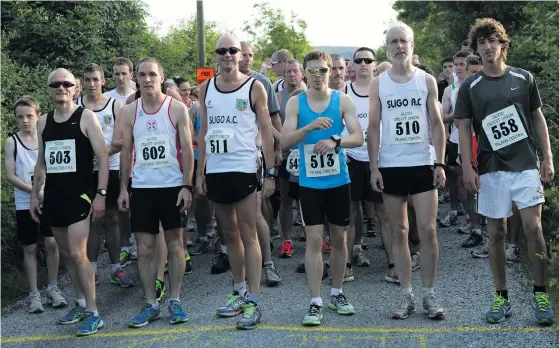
(382, 55)
(271, 31)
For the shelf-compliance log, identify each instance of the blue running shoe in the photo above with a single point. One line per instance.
(146, 315)
(178, 315)
(73, 316)
(233, 307)
(544, 314)
(90, 326)
(500, 309)
(251, 317)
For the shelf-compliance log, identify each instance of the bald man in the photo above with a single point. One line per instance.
(229, 177)
(69, 138)
(382, 67)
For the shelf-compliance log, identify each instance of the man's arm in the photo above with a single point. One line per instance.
(437, 127)
(10, 167)
(203, 130)
(179, 114)
(40, 172)
(373, 131)
(258, 94)
(540, 126)
(463, 115)
(290, 135)
(127, 119)
(173, 94)
(94, 132)
(448, 114)
(355, 136)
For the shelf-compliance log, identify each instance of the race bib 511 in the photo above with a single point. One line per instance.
(220, 140)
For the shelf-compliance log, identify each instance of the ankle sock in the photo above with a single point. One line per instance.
(539, 289)
(317, 300)
(503, 293)
(81, 302)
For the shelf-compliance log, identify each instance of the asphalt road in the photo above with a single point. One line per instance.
(464, 287)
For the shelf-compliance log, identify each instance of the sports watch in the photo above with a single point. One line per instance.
(102, 192)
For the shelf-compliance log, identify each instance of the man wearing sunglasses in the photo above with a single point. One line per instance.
(69, 137)
(405, 99)
(235, 108)
(157, 129)
(323, 176)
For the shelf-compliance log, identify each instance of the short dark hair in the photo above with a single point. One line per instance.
(317, 55)
(27, 100)
(180, 80)
(484, 28)
(448, 59)
(472, 60)
(426, 69)
(92, 67)
(361, 49)
(466, 43)
(461, 54)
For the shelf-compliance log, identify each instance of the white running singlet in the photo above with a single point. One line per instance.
(362, 111)
(107, 119)
(25, 165)
(232, 129)
(114, 94)
(157, 148)
(405, 122)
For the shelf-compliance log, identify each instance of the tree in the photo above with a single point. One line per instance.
(270, 31)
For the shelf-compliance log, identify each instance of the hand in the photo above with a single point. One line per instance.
(324, 146)
(547, 172)
(439, 179)
(35, 209)
(201, 185)
(376, 180)
(279, 158)
(268, 187)
(320, 123)
(98, 207)
(186, 198)
(471, 179)
(123, 201)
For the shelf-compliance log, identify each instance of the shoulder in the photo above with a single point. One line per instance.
(257, 87)
(175, 107)
(263, 79)
(520, 73)
(88, 115)
(174, 94)
(9, 145)
(109, 93)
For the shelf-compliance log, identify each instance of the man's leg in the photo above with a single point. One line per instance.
(112, 235)
(61, 237)
(513, 226)
(93, 247)
(54, 296)
(203, 218)
(177, 262)
(270, 272)
(246, 214)
(391, 275)
(313, 260)
(30, 265)
(147, 267)
(286, 218)
(160, 254)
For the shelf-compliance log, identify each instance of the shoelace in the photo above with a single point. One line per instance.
(249, 308)
(341, 299)
(498, 302)
(542, 301)
(176, 307)
(285, 247)
(314, 310)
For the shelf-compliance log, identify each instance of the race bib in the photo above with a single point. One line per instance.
(293, 162)
(504, 128)
(220, 140)
(364, 137)
(321, 165)
(60, 156)
(28, 174)
(154, 151)
(407, 127)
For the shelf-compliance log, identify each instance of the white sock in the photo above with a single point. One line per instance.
(51, 286)
(127, 249)
(317, 300)
(335, 292)
(357, 247)
(241, 288)
(95, 313)
(94, 264)
(406, 290)
(114, 267)
(34, 292)
(477, 230)
(81, 302)
(429, 290)
(174, 299)
(289, 241)
(269, 263)
(185, 252)
(155, 305)
(224, 249)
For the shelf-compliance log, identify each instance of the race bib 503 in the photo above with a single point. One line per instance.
(60, 156)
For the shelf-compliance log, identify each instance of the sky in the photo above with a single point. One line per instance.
(329, 23)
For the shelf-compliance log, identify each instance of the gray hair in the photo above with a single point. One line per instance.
(400, 25)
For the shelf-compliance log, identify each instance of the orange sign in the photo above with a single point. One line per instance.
(203, 74)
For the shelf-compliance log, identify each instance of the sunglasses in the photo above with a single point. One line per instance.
(57, 84)
(317, 71)
(276, 63)
(361, 60)
(232, 50)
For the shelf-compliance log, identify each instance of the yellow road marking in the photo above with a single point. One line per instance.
(422, 331)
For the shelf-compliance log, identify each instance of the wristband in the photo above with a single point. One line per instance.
(271, 172)
(442, 165)
(188, 187)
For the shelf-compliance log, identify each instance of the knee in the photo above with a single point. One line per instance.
(338, 240)
(497, 234)
(249, 238)
(428, 233)
(50, 245)
(78, 256)
(533, 227)
(145, 251)
(314, 242)
(30, 250)
(399, 234)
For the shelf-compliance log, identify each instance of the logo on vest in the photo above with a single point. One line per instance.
(107, 119)
(151, 125)
(241, 104)
(209, 104)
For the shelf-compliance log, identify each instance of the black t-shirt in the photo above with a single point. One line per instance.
(501, 112)
(441, 85)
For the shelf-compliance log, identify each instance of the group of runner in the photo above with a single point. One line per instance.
(345, 147)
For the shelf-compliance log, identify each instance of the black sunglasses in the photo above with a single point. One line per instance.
(361, 60)
(57, 84)
(232, 50)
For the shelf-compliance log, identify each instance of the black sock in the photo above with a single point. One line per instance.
(348, 265)
(390, 265)
(503, 293)
(539, 289)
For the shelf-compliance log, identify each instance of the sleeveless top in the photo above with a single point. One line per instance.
(362, 111)
(25, 160)
(328, 170)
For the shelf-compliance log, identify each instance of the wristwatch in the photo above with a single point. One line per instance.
(337, 139)
(442, 165)
(102, 192)
(189, 188)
